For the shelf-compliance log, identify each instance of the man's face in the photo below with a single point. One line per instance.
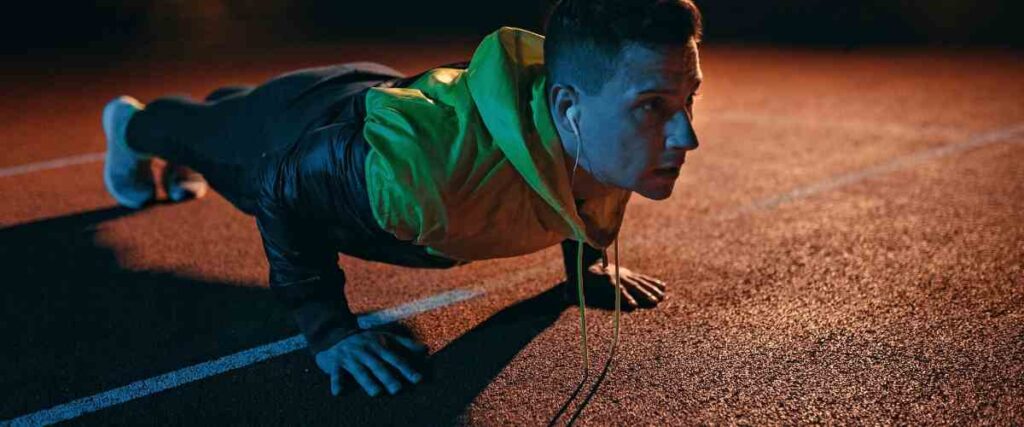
(637, 129)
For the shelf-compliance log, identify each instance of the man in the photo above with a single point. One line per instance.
(534, 142)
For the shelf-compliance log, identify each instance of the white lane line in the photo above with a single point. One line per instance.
(863, 174)
(241, 359)
(422, 305)
(51, 164)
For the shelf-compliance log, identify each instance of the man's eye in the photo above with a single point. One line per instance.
(653, 104)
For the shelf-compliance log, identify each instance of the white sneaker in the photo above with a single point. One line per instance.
(126, 173)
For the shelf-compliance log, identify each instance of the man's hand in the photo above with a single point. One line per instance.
(371, 358)
(637, 290)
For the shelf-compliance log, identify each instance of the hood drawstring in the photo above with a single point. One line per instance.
(579, 282)
(583, 309)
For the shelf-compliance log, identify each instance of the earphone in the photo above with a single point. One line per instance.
(574, 115)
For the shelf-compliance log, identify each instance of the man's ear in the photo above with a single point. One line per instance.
(563, 98)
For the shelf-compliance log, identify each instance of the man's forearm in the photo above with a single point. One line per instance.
(304, 274)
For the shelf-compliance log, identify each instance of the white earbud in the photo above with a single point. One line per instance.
(574, 115)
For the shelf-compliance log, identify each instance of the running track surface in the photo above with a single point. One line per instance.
(845, 246)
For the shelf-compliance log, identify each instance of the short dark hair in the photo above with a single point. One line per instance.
(584, 37)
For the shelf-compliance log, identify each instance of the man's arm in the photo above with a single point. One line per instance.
(295, 203)
(302, 194)
(304, 275)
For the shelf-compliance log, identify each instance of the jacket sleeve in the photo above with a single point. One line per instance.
(294, 210)
(304, 275)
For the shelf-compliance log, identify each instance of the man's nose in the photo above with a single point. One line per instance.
(680, 134)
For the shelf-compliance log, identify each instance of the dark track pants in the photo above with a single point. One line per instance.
(226, 137)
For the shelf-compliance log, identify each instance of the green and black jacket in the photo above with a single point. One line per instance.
(464, 162)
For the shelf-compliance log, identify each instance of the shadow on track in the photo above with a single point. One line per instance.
(290, 390)
(75, 323)
(459, 372)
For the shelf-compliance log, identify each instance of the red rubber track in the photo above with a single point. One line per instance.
(894, 295)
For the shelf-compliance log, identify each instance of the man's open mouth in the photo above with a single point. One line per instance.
(667, 172)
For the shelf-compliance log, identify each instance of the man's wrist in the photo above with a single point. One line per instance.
(569, 257)
(330, 338)
(320, 309)
(324, 323)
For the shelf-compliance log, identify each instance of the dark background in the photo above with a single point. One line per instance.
(168, 27)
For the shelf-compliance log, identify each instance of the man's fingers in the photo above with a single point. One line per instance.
(660, 284)
(410, 344)
(399, 363)
(635, 288)
(380, 371)
(654, 290)
(627, 298)
(335, 383)
(362, 376)
(334, 371)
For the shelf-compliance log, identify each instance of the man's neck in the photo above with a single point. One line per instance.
(584, 185)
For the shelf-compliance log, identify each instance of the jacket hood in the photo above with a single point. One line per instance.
(509, 64)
